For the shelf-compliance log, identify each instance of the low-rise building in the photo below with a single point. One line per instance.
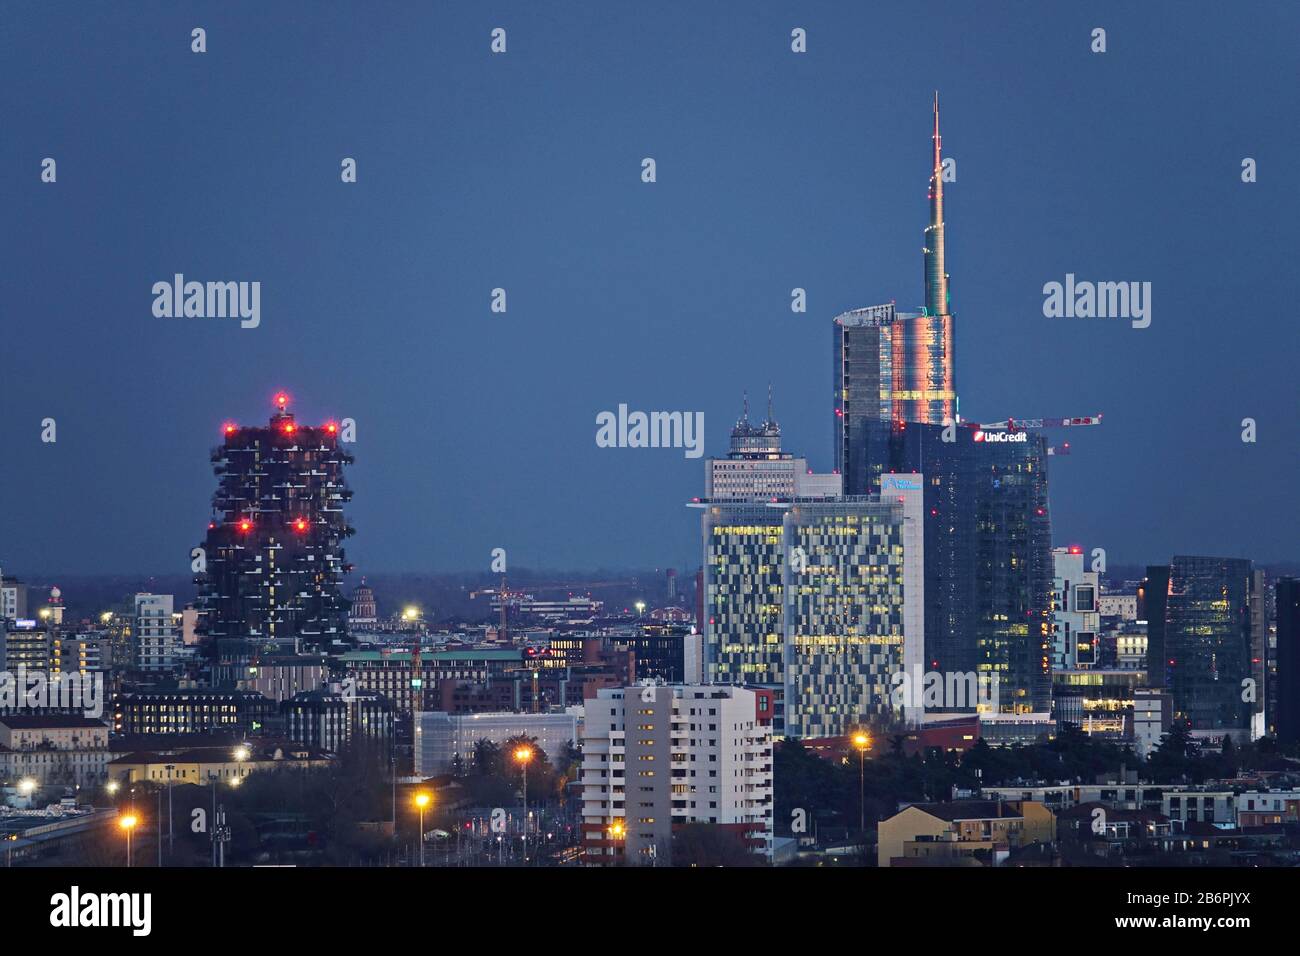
(191, 711)
(332, 717)
(443, 739)
(53, 750)
(207, 764)
(962, 832)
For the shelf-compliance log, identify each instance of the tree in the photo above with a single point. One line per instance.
(708, 844)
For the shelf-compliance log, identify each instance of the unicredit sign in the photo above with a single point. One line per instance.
(1002, 436)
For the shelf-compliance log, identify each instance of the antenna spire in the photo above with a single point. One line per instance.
(936, 279)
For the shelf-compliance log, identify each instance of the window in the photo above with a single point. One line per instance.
(1085, 598)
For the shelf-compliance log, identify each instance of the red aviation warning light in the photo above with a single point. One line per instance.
(300, 525)
(288, 428)
(229, 428)
(281, 400)
(245, 525)
(332, 428)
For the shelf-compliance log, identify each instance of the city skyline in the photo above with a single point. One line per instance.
(596, 439)
(587, 329)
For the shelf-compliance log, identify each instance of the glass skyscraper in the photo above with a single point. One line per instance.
(1200, 638)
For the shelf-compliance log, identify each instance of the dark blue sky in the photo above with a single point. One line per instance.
(775, 170)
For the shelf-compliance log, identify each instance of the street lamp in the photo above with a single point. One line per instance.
(128, 823)
(422, 800)
(862, 742)
(522, 756)
(112, 787)
(27, 786)
(616, 832)
(242, 753)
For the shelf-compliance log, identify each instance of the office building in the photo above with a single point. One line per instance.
(809, 598)
(24, 644)
(191, 711)
(1288, 661)
(756, 469)
(853, 615)
(333, 717)
(443, 741)
(988, 557)
(1200, 636)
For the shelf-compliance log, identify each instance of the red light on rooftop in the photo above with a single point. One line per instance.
(332, 428)
(281, 399)
(229, 429)
(289, 428)
(245, 525)
(1075, 549)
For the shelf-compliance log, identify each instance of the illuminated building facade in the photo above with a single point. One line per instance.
(897, 366)
(273, 553)
(988, 552)
(1201, 631)
(744, 593)
(845, 620)
(818, 599)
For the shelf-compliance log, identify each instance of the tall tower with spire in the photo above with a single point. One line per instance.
(924, 390)
(936, 279)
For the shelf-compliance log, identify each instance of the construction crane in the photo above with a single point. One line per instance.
(1024, 424)
(1016, 424)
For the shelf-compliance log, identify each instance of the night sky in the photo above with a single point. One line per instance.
(775, 170)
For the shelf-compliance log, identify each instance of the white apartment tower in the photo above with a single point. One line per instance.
(664, 754)
(154, 636)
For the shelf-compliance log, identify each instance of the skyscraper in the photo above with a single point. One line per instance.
(1201, 634)
(853, 616)
(988, 560)
(988, 552)
(817, 599)
(1288, 660)
(273, 561)
(892, 365)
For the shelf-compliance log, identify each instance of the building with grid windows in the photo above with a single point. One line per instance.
(1201, 632)
(661, 756)
(818, 599)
